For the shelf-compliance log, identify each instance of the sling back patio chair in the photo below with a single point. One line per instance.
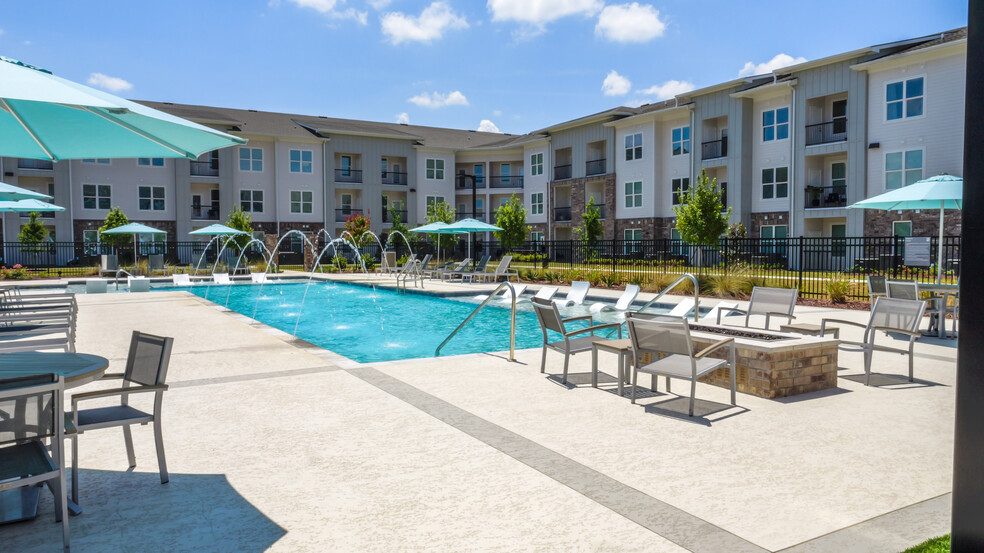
(768, 302)
(549, 317)
(877, 287)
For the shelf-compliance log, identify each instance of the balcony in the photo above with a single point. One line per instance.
(499, 181)
(562, 172)
(342, 213)
(205, 168)
(818, 197)
(205, 212)
(602, 212)
(42, 214)
(466, 183)
(825, 133)
(562, 214)
(388, 217)
(389, 177)
(37, 164)
(714, 149)
(348, 175)
(596, 167)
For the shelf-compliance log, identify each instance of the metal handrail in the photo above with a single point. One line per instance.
(118, 271)
(675, 283)
(512, 321)
(416, 271)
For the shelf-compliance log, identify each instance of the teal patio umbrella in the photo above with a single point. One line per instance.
(9, 192)
(438, 227)
(941, 192)
(26, 206)
(472, 225)
(46, 117)
(216, 230)
(136, 229)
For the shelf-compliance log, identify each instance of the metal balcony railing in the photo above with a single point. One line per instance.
(714, 149)
(459, 215)
(829, 131)
(40, 164)
(205, 212)
(389, 177)
(204, 168)
(348, 175)
(342, 213)
(595, 167)
(562, 214)
(388, 215)
(826, 196)
(499, 181)
(562, 172)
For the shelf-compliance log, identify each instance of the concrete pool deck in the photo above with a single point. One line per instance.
(276, 445)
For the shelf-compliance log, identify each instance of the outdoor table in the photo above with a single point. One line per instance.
(622, 347)
(78, 369)
(944, 291)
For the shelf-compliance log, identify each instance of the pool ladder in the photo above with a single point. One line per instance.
(512, 320)
(417, 272)
(685, 276)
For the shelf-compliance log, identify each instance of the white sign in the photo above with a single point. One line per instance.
(917, 252)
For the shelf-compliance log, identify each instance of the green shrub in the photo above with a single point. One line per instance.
(593, 277)
(838, 289)
(370, 263)
(729, 286)
(549, 276)
(612, 279)
(340, 262)
(402, 260)
(637, 279)
(935, 545)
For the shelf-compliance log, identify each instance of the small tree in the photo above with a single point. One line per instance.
(732, 253)
(240, 220)
(396, 217)
(590, 229)
(442, 212)
(357, 225)
(33, 233)
(701, 217)
(115, 218)
(511, 218)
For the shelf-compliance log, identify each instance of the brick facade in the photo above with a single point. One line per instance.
(767, 218)
(579, 201)
(924, 223)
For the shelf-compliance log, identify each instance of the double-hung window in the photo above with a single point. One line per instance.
(633, 194)
(251, 159)
(301, 201)
(536, 164)
(536, 203)
(903, 168)
(151, 198)
(434, 169)
(96, 196)
(904, 99)
(251, 201)
(680, 137)
(775, 183)
(150, 161)
(775, 124)
(536, 236)
(301, 161)
(431, 201)
(632, 238)
(633, 146)
(680, 188)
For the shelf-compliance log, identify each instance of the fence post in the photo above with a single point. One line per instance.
(799, 280)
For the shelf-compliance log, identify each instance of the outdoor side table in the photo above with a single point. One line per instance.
(622, 347)
(810, 329)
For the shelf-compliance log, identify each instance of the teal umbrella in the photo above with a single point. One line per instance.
(46, 117)
(9, 192)
(472, 225)
(941, 192)
(135, 229)
(25, 206)
(217, 229)
(438, 227)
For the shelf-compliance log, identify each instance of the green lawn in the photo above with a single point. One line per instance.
(935, 545)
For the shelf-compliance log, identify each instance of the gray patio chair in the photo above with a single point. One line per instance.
(877, 286)
(890, 315)
(31, 414)
(38, 322)
(501, 270)
(902, 289)
(155, 263)
(459, 271)
(768, 302)
(109, 264)
(669, 337)
(549, 317)
(478, 272)
(146, 370)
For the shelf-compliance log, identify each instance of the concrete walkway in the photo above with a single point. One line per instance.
(276, 445)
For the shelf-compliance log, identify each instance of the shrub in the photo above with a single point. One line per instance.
(637, 279)
(370, 263)
(593, 277)
(549, 276)
(729, 286)
(838, 289)
(17, 272)
(402, 260)
(340, 262)
(612, 279)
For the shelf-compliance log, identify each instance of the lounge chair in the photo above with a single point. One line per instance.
(683, 308)
(109, 265)
(96, 285)
(723, 307)
(138, 284)
(258, 278)
(544, 293)
(624, 302)
(501, 270)
(506, 295)
(438, 270)
(400, 269)
(888, 315)
(670, 336)
(459, 270)
(579, 290)
(221, 278)
(549, 317)
(155, 263)
(181, 279)
(768, 302)
(478, 271)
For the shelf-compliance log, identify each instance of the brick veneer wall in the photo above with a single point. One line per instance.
(578, 202)
(924, 223)
(767, 218)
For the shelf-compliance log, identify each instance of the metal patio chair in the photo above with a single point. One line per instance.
(658, 335)
(768, 302)
(146, 370)
(877, 287)
(549, 317)
(155, 263)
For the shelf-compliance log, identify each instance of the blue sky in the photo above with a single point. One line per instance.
(520, 65)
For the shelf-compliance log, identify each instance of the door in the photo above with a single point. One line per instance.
(724, 142)
(838, 243)
(479, 175)
(839, 112)
(506, 173)
(397, 177)
(346, 204)
(346, 166)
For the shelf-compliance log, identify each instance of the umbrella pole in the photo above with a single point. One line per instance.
(939, 249)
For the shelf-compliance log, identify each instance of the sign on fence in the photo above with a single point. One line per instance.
(917, 252)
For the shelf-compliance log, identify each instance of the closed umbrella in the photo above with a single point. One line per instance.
(941, 192)
(472, 225)
(136, 229)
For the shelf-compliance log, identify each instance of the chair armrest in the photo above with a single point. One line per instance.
(592, 328)
(110, 376)
(842, 321)
(581, 318)
(730, 310)
(115, 392)
(899, 330)
(777, 314)
(712, 347)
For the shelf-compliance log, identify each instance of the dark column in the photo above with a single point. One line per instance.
(968, 473)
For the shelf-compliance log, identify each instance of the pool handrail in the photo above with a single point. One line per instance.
(512, 320)
(683, 277)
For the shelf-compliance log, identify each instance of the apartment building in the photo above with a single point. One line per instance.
(790, 151)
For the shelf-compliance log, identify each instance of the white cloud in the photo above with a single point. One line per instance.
(403, 118)
(438, 100)
(540, 12)
(616, 85)
(488, 126)
(428, 26)
(630, 23)
(379, 4)
(778, 62)
(332, 9)
(112, 84)
(668, 89)
(497, 113)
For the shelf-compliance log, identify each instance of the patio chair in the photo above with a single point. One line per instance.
(31, 414)
(506, 295)
(155, 263)
(877, 286)
(577, 293)
(624, 301)
(437, 271)
(902, 289)
(768, 302)
(544, 293)
(138, 284)
(683, 308)
(501, 270)
(181, 279)
(34, 323)
(669, 337)
(477, 272)
(458, 270)
(109, 264)
(96, 285)
(388, 262)
(221, 278)
(401, 269)
(890, 315)
(146, 370)
(258, 278)
(909, 290)
(722, 307)
(549, 317)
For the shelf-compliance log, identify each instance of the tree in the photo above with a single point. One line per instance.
(396, 218)
(357, 225)
(701, 216)
(511, 218)
(115, 218)
(442, 212)
(33, 233)
(590, 229)
(240, 220)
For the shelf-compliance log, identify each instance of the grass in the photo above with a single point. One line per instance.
(935, 545)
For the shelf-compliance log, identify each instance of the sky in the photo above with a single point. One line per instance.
(511, 66)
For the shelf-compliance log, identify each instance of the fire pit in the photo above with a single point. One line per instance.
(741, 333)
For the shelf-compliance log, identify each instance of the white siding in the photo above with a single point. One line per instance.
(776, 153)
(433, 187)
(125, 177)
(537, 184)
(261, 180)
(636, 170)
(309, 182)
(669, 166)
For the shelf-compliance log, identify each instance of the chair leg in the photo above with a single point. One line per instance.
(128, 438)
(543, 360)
(75, 469)
(161, 463)
(911, 343)
(635, 378)
(733, 387)
(867, 368)
(567, 359)
(693, 394)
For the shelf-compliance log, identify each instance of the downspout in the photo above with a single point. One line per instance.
(276, 182)
(792, 162)
(324, 183)
(693, 157)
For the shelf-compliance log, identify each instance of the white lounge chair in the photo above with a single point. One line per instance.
(682, 308)
(624, 302)
(544, 293)
(579, 290)
(96, 285)
(138, 284)
(258, 278)
(221, 278)
(506, 295)
(181, 279)
(724, 308)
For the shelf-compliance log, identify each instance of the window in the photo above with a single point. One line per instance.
(902, 228)
(479, 171)
(904, 99)
(151, 198)
(536, 203)
(346, 204)
(301, 201)
(435, 169)
(838, 112)
(251, 159)
(251, 201)
(150, 161)
(633, 146)
(771, 235)
(301, 161)
(775, 183)
(431, 201)
(632, 236)
(633, 194)
(506, 172)
(100, 161)
(678, 246)
(775, 124)
(536, 236)
(536, 165)
(346, 165)
(681, 140)
(903, 168)
(96, 196)
(680, 188)
(838, 178)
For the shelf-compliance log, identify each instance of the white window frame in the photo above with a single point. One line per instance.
(536, 203)
(775, 124)
(432, 200)
(631, 237)
(152, 198)
(895, 224)
(904, 100)
(676, 196)
(97, 196)
(903, 170)
(435, 172)
(304, 199)
(633, 146)
(683, 141)
(252, 201)
(303, 167)
(250, 160)
(97, 161)
(536, 164)
(633, 194)
(536, 236)
(775, 182)
(156, 162)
